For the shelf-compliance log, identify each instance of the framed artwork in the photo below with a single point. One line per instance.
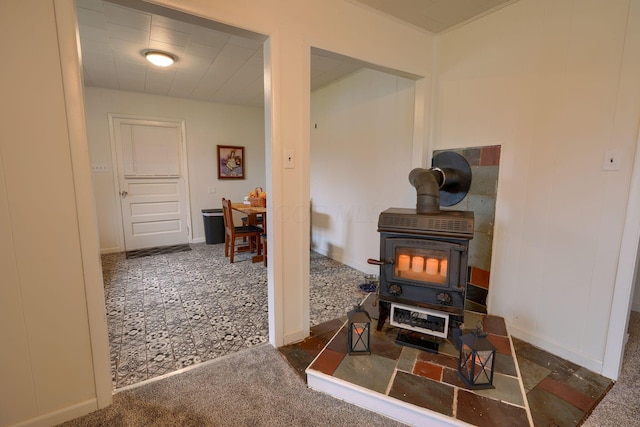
(230, 162)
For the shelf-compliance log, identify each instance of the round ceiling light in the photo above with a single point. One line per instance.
(161, 59)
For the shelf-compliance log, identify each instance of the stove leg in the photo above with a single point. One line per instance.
(383, 312)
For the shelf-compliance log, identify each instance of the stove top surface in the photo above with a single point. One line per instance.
(449, 223)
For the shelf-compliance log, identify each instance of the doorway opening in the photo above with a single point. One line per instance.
(152, 141)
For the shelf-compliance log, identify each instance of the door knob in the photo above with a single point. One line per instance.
(123, 193)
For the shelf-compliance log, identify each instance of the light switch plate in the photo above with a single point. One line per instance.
(289, 159)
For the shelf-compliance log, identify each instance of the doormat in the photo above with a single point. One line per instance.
(160, 250)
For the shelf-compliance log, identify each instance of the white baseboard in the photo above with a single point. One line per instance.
(104, 251)
(61, 415)
(295, 336)
(358, 265)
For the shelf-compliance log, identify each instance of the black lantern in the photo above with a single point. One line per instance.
(477, 360)
(359, 326)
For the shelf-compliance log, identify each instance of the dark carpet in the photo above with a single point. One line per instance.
(159, 250)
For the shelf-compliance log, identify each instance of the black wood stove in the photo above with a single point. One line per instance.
(424, 253)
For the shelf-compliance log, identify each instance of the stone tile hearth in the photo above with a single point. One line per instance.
(395, 375)
(532, 387)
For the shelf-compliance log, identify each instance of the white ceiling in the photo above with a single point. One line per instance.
(435, 16)
(216, 62)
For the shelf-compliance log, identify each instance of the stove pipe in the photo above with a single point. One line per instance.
(427, 183)
(444, 184)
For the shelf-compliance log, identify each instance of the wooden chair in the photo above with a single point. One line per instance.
(231, 233)
(263, 241)
(245, 222)
(259, 220)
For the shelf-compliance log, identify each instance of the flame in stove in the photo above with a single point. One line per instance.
(432, 266)
(417, 264)
(403, 262)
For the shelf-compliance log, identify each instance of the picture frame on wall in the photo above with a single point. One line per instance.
(230, 162)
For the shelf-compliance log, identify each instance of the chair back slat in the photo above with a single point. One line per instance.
(228, 213)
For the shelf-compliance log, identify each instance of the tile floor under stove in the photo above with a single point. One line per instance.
(533, 387)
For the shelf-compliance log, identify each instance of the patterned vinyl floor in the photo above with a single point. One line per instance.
(169, 311)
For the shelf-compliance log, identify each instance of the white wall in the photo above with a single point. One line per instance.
(361, 156)
(47, 369)
(556, 84)
(207, 125)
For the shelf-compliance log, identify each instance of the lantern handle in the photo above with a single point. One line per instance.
(479, 332)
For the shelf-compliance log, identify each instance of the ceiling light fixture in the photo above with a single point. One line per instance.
(161, 59)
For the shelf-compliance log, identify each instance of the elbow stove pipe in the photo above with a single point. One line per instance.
(427, 183)
(444, 184)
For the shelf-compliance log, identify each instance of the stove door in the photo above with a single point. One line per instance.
(422, 271)
(424, 262)
(421, 265)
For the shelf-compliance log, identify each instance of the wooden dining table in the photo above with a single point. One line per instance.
(252, 213)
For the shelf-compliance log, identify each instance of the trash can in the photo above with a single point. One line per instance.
(213, 226)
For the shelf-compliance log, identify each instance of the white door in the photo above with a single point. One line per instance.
(152, 182)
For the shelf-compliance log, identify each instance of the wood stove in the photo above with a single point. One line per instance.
(423, 258)
(424, 255)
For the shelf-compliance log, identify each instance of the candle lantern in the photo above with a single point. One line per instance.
(359, 326)
(477, 360)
